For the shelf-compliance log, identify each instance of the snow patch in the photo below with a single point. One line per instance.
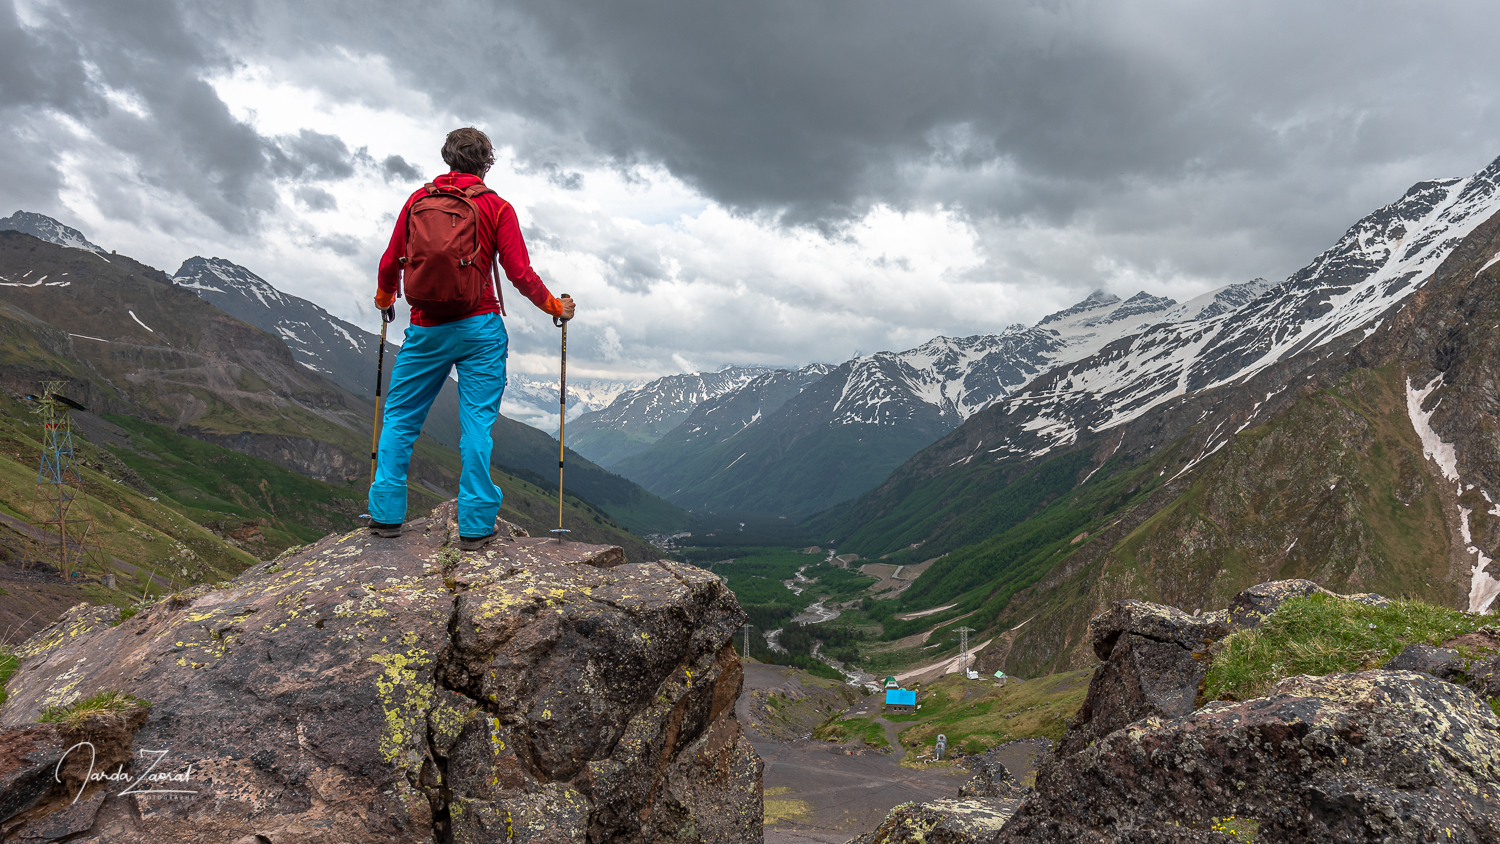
(1487, 264)
(1432, 445)
(138, 322)
(340, 329)
(1483, 588)
(191, 283)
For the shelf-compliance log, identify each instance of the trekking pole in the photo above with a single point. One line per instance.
(562, 421)
(379, 377)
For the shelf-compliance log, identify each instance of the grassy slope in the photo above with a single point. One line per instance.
(155, 535)
(607, 446)
(1334, 490)
(1320, 635)
(978, 714)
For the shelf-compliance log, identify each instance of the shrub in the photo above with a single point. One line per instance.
(104, 703)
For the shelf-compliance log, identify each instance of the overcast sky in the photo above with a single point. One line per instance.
(749, 182)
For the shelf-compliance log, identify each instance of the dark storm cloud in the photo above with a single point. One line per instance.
(133, 74)
(396, 168)
(1270, 125)
(313, 156)
(1056, 113)
(316, 199)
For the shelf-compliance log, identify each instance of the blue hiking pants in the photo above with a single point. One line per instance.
(477, 346)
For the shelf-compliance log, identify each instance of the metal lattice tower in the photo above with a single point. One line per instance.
(963, 644)
(745, 628)
(60, 508)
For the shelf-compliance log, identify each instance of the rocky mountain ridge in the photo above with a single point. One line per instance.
(872, 412)
(45, 228)
(638, 417)
(1380, 261)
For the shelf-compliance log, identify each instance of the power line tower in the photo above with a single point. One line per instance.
(745, 628)
(963, 646)
(59, 486)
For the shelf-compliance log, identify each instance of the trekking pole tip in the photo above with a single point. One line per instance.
(558, 532)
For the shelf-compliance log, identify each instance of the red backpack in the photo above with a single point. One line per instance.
(440, 271)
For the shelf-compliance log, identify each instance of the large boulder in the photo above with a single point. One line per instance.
(990, 778)
(28, 757)
(942, 822)
(401, 691)
(1154, 659)
(1379, 756)
(1472, 660)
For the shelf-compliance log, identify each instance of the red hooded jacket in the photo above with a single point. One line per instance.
(500, 233)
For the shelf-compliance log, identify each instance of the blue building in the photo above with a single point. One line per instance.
(900, 700)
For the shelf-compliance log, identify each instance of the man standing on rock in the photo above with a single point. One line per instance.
(442, 253)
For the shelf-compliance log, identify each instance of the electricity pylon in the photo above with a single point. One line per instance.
(59, 485)
(963, 647)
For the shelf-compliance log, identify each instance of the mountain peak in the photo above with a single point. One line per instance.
(1094, 301)
(42, 227)
(218, 275)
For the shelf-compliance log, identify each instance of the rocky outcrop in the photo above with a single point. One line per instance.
(1389, 756)
(28, 756)
(400, 691)
(1154, 658)
(941, 822)
(991, 779)
(1471, 660)
(304, 455)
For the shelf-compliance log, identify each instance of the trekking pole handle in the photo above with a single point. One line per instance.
(558, 321)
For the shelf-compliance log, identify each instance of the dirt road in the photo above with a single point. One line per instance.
(818, 794)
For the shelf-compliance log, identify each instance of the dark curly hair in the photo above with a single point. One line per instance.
(468, 150)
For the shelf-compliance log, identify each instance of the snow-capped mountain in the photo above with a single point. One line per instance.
(1378, 263)
(724, 416)
(534, 400)
(638, 417)
(45, 228)
(319, 340)
(770, 451)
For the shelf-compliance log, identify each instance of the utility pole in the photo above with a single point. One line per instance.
(59, 484)
(963, 647)
(745, 628)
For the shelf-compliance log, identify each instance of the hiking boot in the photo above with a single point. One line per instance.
(466, 543)
(384, 530)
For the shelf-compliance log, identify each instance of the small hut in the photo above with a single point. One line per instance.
(900, 700)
